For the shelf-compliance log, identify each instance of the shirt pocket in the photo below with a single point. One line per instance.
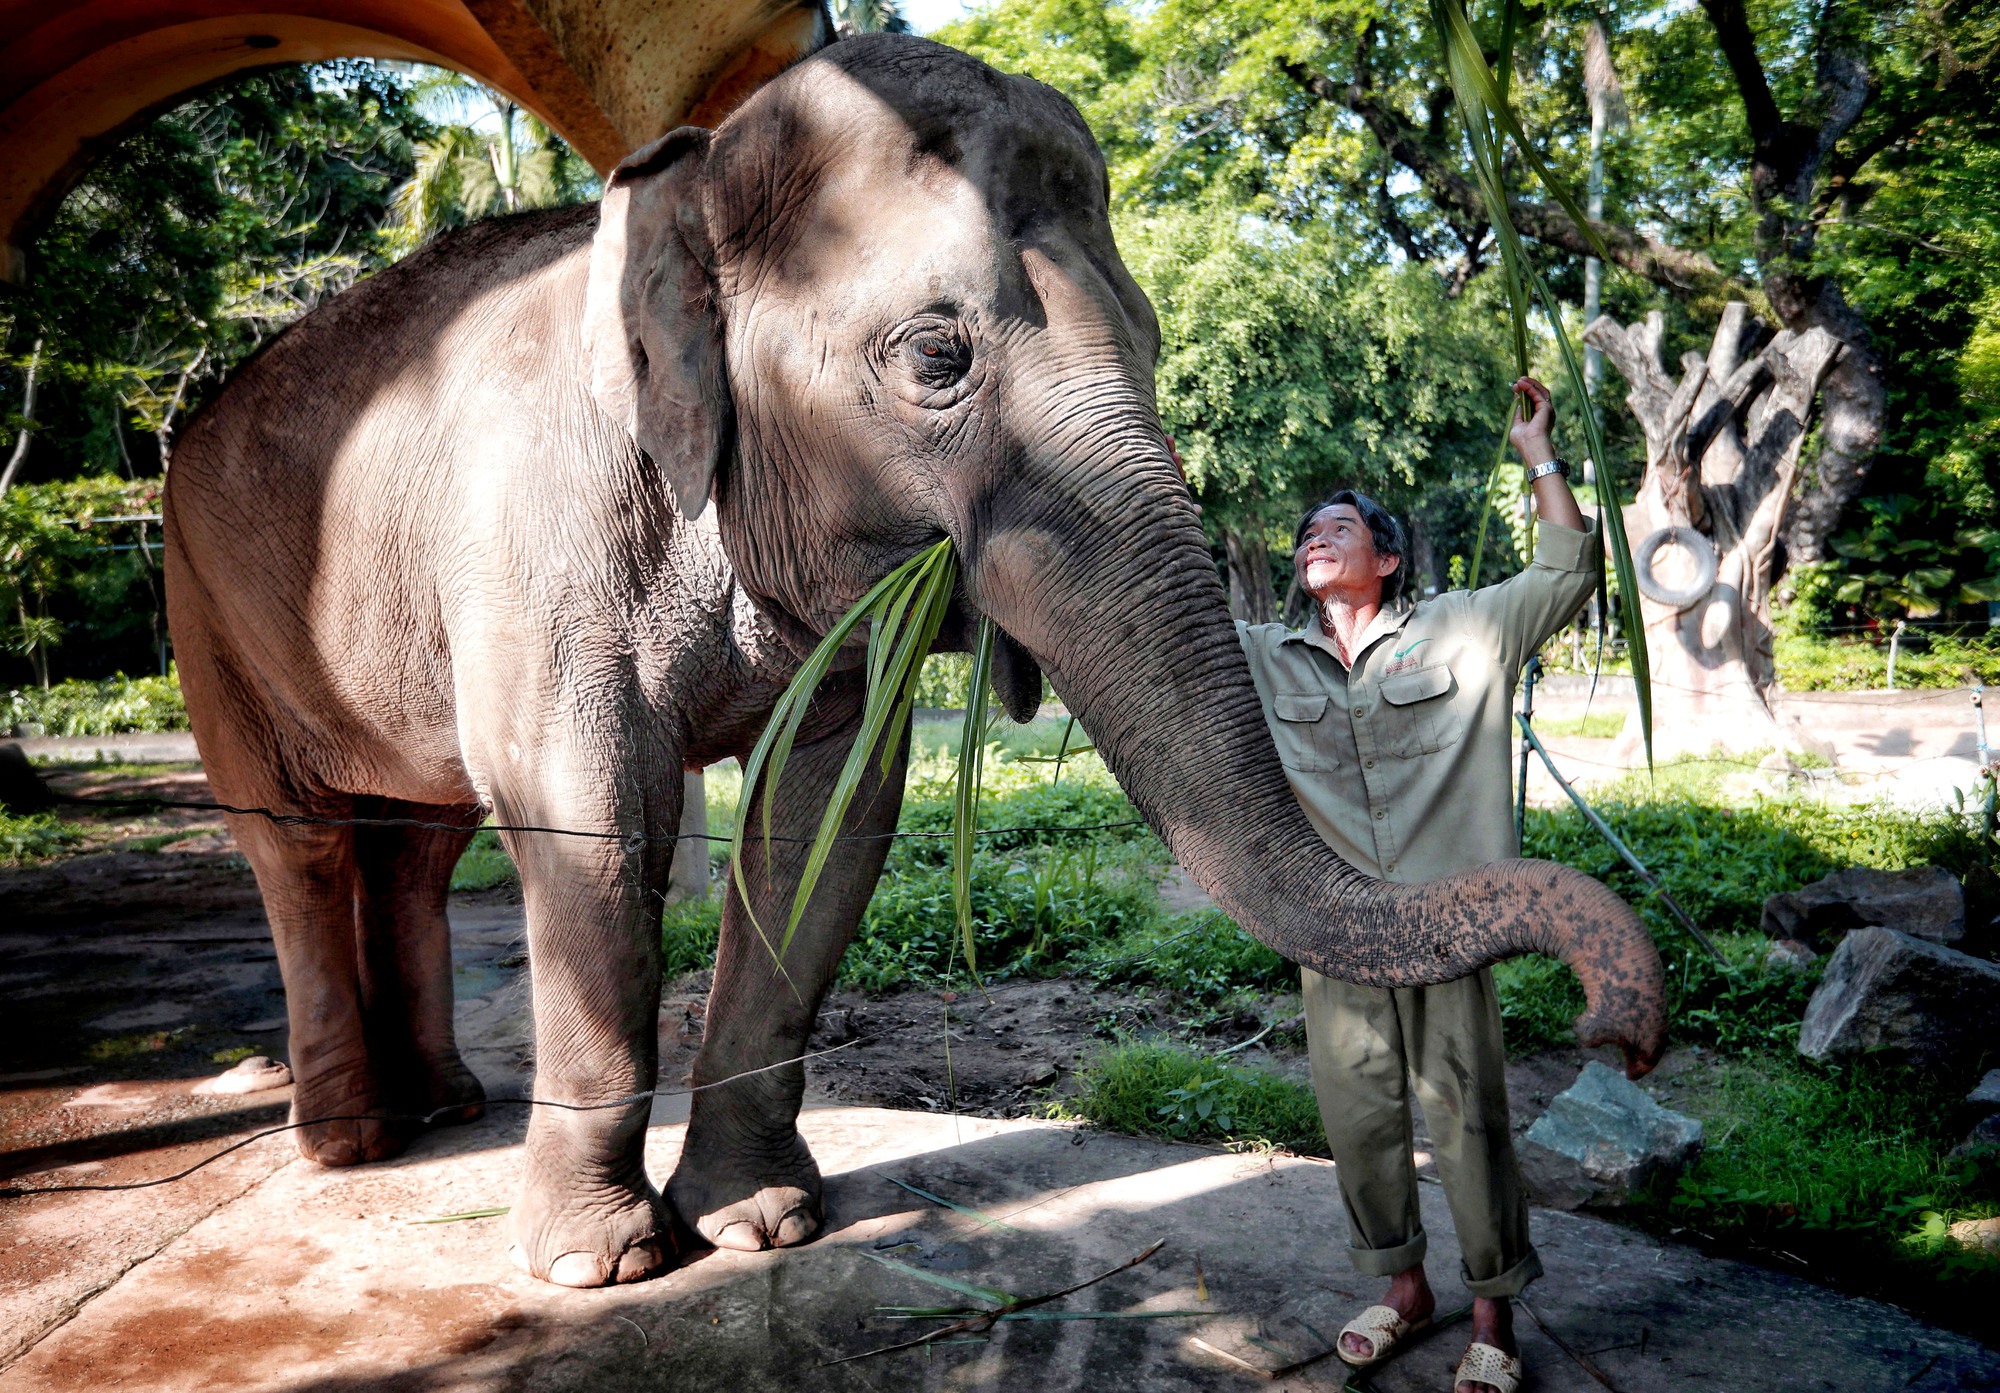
(1303, 734)
(1422, 715)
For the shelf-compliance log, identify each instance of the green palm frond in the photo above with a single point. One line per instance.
(904, 611)
(1481, 97)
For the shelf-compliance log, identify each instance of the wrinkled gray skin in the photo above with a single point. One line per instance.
(538, 518)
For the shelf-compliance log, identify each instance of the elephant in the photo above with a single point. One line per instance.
(534, 521)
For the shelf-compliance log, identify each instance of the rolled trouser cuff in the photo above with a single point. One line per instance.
(1508, 1284)
(1387, 1262)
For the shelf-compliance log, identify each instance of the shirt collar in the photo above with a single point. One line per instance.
(1386, 621)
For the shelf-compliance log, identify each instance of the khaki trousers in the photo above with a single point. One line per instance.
(1367, 1044)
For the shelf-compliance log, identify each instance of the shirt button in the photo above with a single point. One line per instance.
(1371, 764)
(1359, 709)
(1390, 868)
(1381, 813)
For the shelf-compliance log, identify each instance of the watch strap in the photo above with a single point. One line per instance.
(1558, 465)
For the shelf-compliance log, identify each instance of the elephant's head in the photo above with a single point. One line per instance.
(880, 305)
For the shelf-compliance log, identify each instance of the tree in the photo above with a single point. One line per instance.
(485, 157)
(186, 246)
(1289, 367)
(1722, 455)
(1817, 161)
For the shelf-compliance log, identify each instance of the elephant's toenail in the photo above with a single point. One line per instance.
(743, 1236)
(638, 1262)
(796, 1227)
(578, 1270)
(519, 1258)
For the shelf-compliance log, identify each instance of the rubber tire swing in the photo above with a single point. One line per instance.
(1696, 589)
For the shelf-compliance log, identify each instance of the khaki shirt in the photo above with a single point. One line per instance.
(1403, 763)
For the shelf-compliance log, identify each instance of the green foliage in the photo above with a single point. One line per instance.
(29, 837)
(114, 706)
(689, 932)
(1924, 658)
(1202, 957)
(1742, 1008)
(195, 238)
(64, 578)
(484, 864)
(1162, 1091)
(1846, 1163)
(484, 156)
(1899, 559)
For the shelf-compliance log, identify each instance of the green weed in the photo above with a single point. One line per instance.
(1594, 725)
(26, 837)
(110, 707)
(484, 865)
(1162, 1091)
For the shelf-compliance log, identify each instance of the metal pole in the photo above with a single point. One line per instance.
(1895, 639)
(1638, 866)
(1529, 676)
(1990, 805)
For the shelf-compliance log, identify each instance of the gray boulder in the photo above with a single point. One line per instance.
(1923, 901)
(1916, 1002)
(1602, 1141)
(1986, 1093)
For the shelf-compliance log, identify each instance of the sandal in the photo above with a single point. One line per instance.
(1484, 1364)
(1382, 1328)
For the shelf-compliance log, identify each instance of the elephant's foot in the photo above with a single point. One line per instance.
(747, 1197)
(345, 1121)
(593, 1239)
(451, 1094)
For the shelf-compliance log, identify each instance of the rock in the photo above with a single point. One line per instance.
(1982, 1138)
(1038, 1071)
(1923, 901)
(1603, 1141)
(1986, 1093)
(253, 1075)
(1978, 1233)
(21, 788)
(1915, 1002)
(1789, 955)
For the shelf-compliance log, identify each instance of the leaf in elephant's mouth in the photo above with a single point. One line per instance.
(904, 611)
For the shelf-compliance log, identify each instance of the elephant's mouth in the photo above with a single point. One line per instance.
(1016, 677)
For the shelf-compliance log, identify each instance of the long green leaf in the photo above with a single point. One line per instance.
(938, 1279)
(923, 582)
(965, 797)
(1481, 98)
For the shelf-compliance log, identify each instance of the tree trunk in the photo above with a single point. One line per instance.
(28, 391)
(1722, 454)
(1251, 598)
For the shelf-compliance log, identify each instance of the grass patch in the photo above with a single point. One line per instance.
(1810, 663)
(484, 865)
(30, 837)
(1593, 725)
(1162, 1091)
(1843, 1165)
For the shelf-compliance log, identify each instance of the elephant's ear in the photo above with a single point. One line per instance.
(651, 340)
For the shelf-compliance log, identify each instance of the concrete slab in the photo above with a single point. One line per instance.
(324, 1280)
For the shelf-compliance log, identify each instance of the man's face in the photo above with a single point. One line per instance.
(1338, 557)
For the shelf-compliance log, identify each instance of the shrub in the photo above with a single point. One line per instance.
(484, 864)
(113, 706)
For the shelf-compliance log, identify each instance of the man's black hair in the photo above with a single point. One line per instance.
(1382, 526)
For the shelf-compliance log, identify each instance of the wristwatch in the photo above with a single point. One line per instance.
(1558, 465)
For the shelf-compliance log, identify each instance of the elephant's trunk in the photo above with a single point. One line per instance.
(1114, 593)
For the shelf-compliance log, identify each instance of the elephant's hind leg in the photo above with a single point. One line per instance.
(308, 878)
(746, 1178)
(405, 960)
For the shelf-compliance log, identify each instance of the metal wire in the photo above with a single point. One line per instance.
(311, 820)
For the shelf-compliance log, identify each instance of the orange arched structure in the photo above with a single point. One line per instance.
(75, 75)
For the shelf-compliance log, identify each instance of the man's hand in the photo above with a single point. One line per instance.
(1531, 437)
(1553, 500)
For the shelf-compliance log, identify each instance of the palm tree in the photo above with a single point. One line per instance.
(488, 157)
(869, 17)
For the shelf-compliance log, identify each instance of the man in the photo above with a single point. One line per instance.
(1394, 724)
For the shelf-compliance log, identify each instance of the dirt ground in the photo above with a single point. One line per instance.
(138, 964)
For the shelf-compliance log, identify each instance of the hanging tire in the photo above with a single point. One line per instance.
(1696, 590)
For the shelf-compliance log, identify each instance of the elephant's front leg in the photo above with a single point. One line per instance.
(587, 1215)
(745, 1178)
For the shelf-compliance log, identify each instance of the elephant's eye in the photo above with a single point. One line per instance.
(938, 356)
